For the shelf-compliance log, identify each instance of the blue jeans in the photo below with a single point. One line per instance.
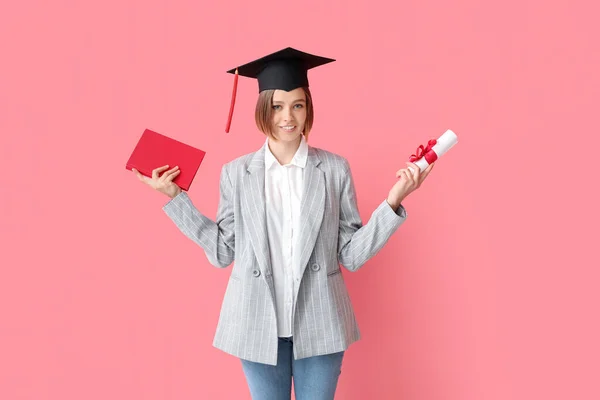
(315, 378)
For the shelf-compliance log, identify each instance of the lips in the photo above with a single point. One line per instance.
(288, 128)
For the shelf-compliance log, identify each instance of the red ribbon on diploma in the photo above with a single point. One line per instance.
(427, 152)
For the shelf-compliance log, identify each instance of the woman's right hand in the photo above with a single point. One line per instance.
(163, 183)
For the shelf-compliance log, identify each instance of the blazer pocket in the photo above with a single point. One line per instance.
(337, 271)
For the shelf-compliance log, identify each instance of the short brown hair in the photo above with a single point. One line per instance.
(264, 112)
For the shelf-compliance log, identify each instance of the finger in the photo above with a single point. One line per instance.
(416, 171)
(157, 170)
(172, 176)
(138, 174)
(427, 171)
(407, 175)
(168, 173)
(412, 165)
(401, 172)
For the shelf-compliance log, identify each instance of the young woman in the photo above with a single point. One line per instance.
(287, 218)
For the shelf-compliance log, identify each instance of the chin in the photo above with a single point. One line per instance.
(286, 136)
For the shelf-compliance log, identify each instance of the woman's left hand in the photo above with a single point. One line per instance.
(408, 183)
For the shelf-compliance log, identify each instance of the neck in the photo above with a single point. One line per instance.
(284, 151)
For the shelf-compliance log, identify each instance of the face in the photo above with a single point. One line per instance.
(289, 114)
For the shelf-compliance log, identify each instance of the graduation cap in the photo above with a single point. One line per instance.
(285, 69)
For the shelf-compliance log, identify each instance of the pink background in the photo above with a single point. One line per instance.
(488, 291)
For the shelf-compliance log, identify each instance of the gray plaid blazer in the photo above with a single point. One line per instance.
(331, 234)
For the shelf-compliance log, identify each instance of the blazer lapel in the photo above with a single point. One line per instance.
(254, 204)
(312, 207)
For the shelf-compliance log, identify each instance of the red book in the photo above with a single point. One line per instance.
(155, 150)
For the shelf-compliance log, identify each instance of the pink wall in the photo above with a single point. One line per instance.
(488, 291)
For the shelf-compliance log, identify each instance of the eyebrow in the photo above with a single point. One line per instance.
(295, 101)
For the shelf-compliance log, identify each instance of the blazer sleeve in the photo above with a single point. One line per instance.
(358, 243)
(217, 238)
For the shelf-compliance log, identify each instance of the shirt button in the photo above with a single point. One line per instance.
(315, 267)
(256, 273)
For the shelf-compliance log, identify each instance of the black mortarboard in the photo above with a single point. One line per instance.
(285, 69)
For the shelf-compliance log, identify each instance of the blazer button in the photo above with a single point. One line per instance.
(315, 267)
(256, 273)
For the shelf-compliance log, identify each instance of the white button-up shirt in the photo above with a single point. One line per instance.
(283, 192)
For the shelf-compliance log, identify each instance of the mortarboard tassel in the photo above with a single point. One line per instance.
(235, 80)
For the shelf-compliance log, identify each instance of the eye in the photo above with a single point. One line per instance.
(299, 105)
(275, 107)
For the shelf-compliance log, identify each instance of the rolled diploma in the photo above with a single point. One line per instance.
(444, 143)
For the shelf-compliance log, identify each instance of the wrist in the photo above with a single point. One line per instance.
(394, 204)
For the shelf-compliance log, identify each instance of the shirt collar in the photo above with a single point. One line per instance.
(298, 160)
